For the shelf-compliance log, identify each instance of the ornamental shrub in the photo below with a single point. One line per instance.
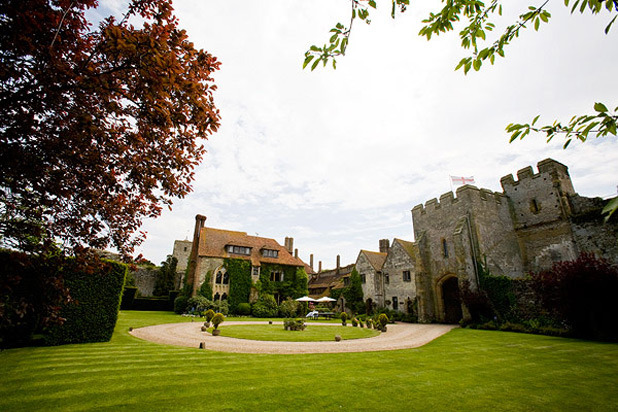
(581, 295)
(198, 304)
(243, 309)
(217, 320)
(288, 308)
(265, 307)
(344, 318)
(221, 306)
(209, 314)
(354, 322)
(382, 320)
(180, 304)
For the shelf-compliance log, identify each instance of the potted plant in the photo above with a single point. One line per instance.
(344, 318)
(382, 321)
(354, 322)
(208, 315)
(216, 321)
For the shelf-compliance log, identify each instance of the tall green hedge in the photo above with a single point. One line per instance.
(239, 271)
(92, 313)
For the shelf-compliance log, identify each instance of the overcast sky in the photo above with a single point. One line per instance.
(336, 159)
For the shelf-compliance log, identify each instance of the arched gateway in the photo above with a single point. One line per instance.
(451, 302)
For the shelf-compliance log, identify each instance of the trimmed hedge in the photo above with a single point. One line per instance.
(128, 297)
(92, 313)
(156, 304)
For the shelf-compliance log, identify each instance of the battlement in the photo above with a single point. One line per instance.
(527, 173)
(463, 193)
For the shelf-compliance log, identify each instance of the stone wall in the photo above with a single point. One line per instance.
(399, 260)
(182, 251)
(364, 268)
(145, 279)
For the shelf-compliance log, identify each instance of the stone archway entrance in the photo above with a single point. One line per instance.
(451, 302)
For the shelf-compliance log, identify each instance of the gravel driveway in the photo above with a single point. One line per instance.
(399, 336)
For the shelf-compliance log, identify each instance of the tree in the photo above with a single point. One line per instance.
(474, 28)
(353, 293)
(98, 128)
(166, 277)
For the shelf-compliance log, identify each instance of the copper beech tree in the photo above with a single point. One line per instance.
(100, 127)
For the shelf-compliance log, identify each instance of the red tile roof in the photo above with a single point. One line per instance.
(213, 243)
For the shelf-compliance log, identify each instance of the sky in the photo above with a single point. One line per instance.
(337, 159)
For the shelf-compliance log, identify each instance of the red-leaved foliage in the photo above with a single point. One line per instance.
(581, 294)
(98, 128)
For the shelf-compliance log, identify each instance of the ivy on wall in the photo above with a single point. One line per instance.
(239, 271)
(294, 284)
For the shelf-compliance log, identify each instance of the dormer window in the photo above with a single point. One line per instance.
(270, 253)
(239, 250)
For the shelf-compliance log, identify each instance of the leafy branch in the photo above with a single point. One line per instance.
(340, 38)
(600, 124)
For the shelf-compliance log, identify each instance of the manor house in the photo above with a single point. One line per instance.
(537, 219)
(205, 258)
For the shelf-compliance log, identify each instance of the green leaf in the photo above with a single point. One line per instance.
(537, 23)
(610, 208)
(307, 60)
(315, 64)
(477, 65)
(600, 107)
(535, 119)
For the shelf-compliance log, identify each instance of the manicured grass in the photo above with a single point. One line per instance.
(468, 370)
(313, 333)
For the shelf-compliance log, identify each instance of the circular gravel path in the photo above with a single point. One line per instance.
(398, 336)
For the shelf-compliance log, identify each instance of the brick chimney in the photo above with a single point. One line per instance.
(289, 244)
(384, 245)
(193, 257)
(338, 263)
(320, 266)
(311, 261)
(296, 253)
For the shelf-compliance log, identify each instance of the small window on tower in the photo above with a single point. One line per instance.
(444, 248)
(534, 206)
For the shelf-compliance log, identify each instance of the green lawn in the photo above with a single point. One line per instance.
(463, 370)
(313, 333)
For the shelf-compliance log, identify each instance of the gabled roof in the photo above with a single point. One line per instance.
(407, 246)
(213, 243)
(330, 278)
(376, 259)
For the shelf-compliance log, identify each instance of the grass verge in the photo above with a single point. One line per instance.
(470, 370)
(313, 333)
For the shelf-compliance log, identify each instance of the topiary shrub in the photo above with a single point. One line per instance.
(382, 321)
(243, 309)
(354, 322)
(369, 324)
(217, 320)
(209, 314)
(344, 318)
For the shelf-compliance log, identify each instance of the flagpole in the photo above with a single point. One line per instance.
(450, 179)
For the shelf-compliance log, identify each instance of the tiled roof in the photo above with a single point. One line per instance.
(213, 243)
(330, 278)
(407, 246)
(376, 259)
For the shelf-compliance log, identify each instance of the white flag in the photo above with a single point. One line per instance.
(460, 180)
